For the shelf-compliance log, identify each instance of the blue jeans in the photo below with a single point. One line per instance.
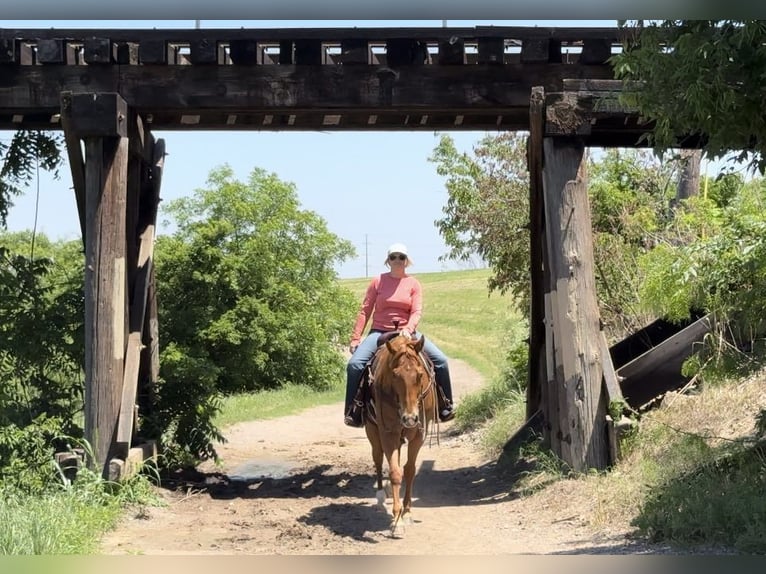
(365, 351)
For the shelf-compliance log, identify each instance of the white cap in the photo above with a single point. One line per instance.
(397, 248)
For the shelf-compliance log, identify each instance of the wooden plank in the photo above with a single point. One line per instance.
(611, 381)
(51, 51)
(243, 52)
(431, 34)
(536, 377)
(128, 397)
(354, 52)
(190, 89)
(582, 443)
(203, 51)
(97, 114)
(121, 469)
(678, 345)
(452, 51)
(7, 51)
(106, 161)
(491, 50)
(596, 51)
(75, 159)
(307, 52)
(98, 51)
(406, 52)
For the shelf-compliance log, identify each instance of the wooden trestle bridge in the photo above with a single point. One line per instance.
(111, 90)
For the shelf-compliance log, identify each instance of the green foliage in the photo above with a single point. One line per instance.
(487, 210)
(261, 306)
(695, 77)
(722, 270)
(41, 383)
(27, 151)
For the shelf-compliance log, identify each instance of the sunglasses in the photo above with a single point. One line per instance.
(395, 256)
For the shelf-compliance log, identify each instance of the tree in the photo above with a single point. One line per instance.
(487, 209)
(699, 78)
(261, 307)
(26, 151)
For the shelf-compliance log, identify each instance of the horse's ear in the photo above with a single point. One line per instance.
(419, 344)
(389, 346)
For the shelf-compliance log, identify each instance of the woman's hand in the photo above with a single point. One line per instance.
(406, 333)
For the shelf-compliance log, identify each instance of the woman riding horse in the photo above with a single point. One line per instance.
(392, 299)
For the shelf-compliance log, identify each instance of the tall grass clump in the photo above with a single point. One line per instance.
(70, 518)
(694, 474)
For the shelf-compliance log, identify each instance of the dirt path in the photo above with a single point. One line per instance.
(303, 484)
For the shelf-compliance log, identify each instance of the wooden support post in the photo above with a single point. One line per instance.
(100, 119)
(149, 370)
(140, 291)
(75, 157)
(536, 378)
(581, 440)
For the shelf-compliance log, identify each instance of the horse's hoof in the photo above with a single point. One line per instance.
(398, 530)
(380, 496)
(407, 519)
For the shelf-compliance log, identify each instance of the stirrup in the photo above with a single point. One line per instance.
(446, 414)
(353, 419)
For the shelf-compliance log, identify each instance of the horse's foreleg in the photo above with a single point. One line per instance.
(391, 447)
(377, 459)
(377, 453)
(413, 448)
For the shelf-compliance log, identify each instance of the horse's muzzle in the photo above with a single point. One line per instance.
(410, 420)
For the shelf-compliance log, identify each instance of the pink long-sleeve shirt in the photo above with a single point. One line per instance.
(389, 299)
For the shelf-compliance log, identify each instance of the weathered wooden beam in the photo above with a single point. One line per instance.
(308, 52)
(595, 51)
(7, 51)
(491, 50)
(406, 52)
(243, 52)
(431, 34)
(154, 52)
(581, 441)
(354, 51)
(121, 469)
(187, 89)
(126, 53)
(75, 157)
(125, 421)
(536, 376)
(611, 381)
(98, 51)
(106, 161)
(96, 114)
(452, 51)
(51, 51)
(150, 363)
(203, 51)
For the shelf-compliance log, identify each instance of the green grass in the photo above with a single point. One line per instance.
(274, 403)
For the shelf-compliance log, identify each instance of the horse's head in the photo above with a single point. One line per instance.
(409, 380)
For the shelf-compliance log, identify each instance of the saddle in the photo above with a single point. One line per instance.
(363, 406)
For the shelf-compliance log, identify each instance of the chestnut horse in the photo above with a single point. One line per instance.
(403, 406)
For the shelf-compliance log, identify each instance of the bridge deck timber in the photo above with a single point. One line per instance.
(323, 79)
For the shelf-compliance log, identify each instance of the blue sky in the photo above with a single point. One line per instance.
(372, 188)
